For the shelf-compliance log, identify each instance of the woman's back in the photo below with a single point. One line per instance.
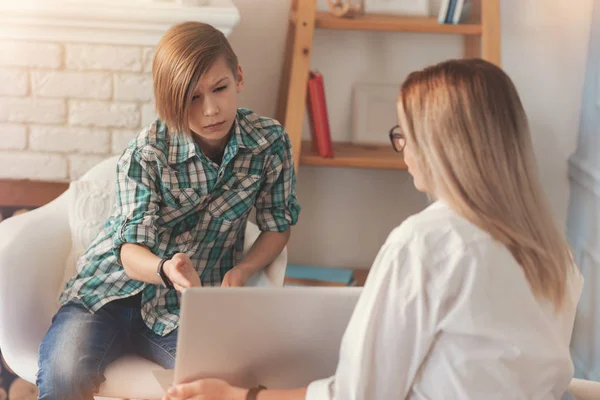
(494, 338)
(462, 316)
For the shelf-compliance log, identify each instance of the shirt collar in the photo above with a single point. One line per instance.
(248, 136)
(182, 147)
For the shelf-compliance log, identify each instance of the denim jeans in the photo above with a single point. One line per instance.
(79, 345)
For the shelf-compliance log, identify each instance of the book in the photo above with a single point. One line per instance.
(462, 10)
(309, 275)
(443, 11)
(451, 9)
(317, 115)
(454, 11)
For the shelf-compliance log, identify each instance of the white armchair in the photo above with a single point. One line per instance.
(34, 248)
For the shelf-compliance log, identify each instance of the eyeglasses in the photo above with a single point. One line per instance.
(397, 138)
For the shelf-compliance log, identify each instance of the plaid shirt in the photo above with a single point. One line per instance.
(172, 199)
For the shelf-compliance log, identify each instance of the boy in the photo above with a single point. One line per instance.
(185, 187)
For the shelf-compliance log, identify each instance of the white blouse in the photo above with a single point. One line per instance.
(447, 313)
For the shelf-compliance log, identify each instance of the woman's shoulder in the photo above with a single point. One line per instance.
(437, 229)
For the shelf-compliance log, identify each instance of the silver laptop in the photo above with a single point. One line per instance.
(278, 337)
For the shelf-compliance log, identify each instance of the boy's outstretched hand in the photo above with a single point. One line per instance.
(181, 272)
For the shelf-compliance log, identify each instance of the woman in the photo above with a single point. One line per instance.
(475, 297)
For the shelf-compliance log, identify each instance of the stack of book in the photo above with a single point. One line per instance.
(308, 275)
(454, 11)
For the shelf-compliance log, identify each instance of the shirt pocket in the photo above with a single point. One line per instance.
(235, 198)
(178, 203)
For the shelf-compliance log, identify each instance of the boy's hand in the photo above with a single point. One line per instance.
(236, 277)
(181, 272)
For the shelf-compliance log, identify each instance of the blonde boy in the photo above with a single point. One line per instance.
(185, 188)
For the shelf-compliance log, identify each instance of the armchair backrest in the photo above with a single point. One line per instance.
(105, 170)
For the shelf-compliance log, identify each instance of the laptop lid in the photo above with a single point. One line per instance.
(278, 337)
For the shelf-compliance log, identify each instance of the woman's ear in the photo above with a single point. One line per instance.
(239, 79)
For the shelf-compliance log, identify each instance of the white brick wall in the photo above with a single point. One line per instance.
(27, 165)
(120, 139)
(103, 57)
(147, 56)
(134, 87)
(80, 85)
(148, 114)
(64, 107)
(103, 113)
(79, 165)
(13, 136)
(14, 82)
(30, 109)
(30, 55)
(64, 139)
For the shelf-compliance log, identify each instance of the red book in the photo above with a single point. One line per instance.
(317, 115)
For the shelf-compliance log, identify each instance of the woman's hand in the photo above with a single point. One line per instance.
(206, 389)
(181, 272)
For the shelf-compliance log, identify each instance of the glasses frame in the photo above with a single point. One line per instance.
(397, 139)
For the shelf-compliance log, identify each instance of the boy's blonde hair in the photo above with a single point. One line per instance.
(472, 141)
(182, 56)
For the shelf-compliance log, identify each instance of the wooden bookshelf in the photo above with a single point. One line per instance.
(26, 193)
(374, 22)
(360, 276)
(480, 34)
(354, 156)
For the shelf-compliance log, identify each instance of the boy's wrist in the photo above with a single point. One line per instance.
(246, 266)
(163, 273)
(248, 269)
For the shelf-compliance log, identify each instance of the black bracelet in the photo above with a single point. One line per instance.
(161, 273)
(253, 393)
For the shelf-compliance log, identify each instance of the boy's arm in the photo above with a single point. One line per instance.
(265, 249)
(276, 211)
(141, 264)
(276, 206)
(135, 228)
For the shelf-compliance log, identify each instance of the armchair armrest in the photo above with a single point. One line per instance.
(274, 273)
(33, 250)
(584, 389)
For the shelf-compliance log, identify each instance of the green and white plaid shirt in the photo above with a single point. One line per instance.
(172, 199)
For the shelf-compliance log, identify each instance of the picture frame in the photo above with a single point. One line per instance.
(416, 8)
(374, 112)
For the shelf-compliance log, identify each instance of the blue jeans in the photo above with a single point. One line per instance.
(79, 345)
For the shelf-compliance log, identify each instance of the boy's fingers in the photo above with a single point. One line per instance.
(179, 279)
(178, 288)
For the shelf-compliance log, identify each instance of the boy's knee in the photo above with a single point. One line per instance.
(65, 379)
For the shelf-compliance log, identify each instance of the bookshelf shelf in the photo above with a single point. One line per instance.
(374, 22)
(26, 193)
(353, 155)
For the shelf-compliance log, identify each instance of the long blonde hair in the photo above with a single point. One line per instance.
(471, 138)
